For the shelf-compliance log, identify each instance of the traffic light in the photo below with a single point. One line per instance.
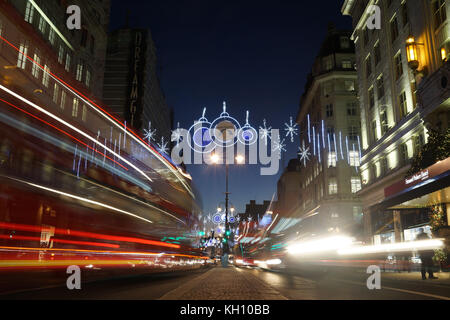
(201, 233)
(227, 233)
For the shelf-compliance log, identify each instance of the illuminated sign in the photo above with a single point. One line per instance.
(134, 108)
(423, 175)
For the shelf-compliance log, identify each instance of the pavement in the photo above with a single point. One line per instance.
(225, 283)
(245, 283)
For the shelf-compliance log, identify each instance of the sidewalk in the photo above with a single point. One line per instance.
(444, 277)
(224, 284)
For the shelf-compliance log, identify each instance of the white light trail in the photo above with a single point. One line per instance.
(72, 127)
(394, 247)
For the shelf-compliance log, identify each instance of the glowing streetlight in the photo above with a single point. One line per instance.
(215, 158)
(240, 159)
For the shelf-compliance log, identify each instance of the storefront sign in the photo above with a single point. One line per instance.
(423, 175)
(429, 173)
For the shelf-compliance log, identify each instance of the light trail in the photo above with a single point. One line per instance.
(81, 132)
(62, 131)
(108, 117)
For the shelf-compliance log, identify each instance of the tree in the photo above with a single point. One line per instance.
(437, 148)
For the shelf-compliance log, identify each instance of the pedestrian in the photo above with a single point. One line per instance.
(426, 256)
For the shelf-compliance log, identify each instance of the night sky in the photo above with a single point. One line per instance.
(255, 55)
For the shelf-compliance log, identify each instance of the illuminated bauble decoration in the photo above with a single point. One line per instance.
(199, 132)
(224, 129)
(247, 135)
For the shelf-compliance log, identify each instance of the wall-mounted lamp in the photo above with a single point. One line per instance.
(411, 53)
(443, 54)
(413, 57)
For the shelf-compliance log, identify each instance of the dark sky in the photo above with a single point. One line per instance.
(253, 54)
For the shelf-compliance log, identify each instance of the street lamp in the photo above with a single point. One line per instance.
(215, 159)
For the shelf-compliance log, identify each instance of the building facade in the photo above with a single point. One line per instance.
(329, 141)
(394, 65)
(132, 89)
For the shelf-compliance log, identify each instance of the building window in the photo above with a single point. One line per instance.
(327, 88)
(366, 36)
(368, 67)
(398, 66)
(332, 186)
(79, 74)
(22, 59)
(374, 130)
(351, 109)
(46, 76)
(356, 184)
(440, 14)
(331, 159)
(84, 113)
(353, 157)
(60, 54)
(51, 38)
(371, 98)
(329, 110)
(353, 133)
(384, 121)
(55, 93)
(384, 166)
(63, 100)
(380, 87)
(67, 66)
(347, 64)
(328, 64)
(42, 25)
(92, 46)
(394, 29)
(349, 85)
(75, 107)
(418, 143)
(403, 153)
(84, 37)
(403, 104)
(405, 17)
(345, 42)
(34, 67)
(29, 12)
(377, 53)
(88, 77)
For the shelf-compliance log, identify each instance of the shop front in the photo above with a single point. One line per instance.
(420, 203)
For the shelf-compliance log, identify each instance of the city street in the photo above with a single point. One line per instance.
(252, 151)
(244, 283)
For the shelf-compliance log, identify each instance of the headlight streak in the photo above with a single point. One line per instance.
(111, 168)
(319, 245)
(110, 118)
(82, 199)
(63, 132)
(81, 243)
(393, 247)
(70, 148)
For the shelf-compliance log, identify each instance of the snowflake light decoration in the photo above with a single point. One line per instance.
(291, 129)
(176, 134)
(265, 132)
(149, 134)
(279, 146)
(163, 146)
(304, 153)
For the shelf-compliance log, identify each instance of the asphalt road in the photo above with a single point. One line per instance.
(337, 284)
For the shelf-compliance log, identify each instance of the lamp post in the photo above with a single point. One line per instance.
(215, 159)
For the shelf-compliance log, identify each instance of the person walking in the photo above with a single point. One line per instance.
(426, 256)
